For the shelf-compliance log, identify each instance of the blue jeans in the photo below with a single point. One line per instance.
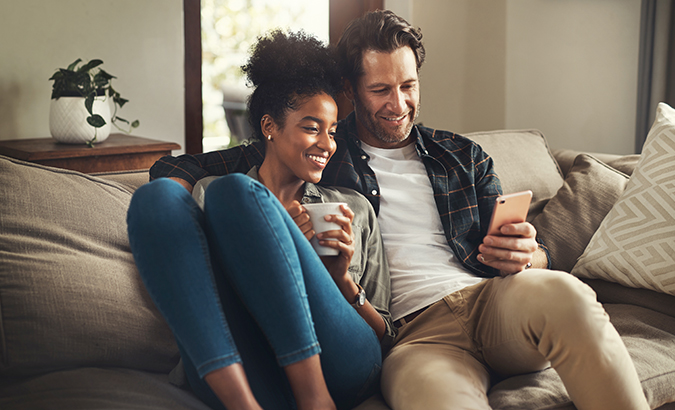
(239, 283)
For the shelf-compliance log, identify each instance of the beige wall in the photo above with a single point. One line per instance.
(140, 42)
(572, 69)
(463, 79)
(568, 68)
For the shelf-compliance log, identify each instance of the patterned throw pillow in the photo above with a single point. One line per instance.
(635, 244)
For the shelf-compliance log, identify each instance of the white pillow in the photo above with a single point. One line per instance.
(635, 243)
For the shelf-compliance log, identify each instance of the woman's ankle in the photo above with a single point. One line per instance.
(231, 387)
(308, 385)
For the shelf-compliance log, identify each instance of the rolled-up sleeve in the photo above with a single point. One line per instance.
(375, 278)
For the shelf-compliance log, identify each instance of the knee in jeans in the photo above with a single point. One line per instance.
(232, 187)
(232, 182)
(156, 202)
(232, 191)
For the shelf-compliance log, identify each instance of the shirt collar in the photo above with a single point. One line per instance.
(311, 194)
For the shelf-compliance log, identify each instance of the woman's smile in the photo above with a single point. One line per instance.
(301, 148)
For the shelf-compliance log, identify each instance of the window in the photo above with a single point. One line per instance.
(340, 12)
(229, 28)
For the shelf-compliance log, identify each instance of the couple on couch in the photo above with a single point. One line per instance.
(263, 322)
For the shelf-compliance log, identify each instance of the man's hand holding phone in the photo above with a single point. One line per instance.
(510, 244)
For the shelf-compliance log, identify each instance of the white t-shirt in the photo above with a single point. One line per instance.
(423, 267)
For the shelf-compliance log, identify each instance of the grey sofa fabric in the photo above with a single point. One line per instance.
(70, 292)
(89, 388)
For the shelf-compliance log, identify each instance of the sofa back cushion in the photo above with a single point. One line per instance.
(69, 290)
(129, 179)
(522, 161)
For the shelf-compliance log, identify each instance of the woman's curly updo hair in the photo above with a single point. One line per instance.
(285, 69)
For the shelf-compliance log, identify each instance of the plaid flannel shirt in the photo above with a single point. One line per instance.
(461, 173)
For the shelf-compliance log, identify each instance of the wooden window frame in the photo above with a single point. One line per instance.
(341, 12)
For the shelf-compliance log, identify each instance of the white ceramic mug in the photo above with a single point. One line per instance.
(317, 212)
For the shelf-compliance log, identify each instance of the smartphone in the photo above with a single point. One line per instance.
(509, 209)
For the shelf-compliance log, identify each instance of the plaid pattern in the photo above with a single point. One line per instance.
(461, 173)
(192, 168)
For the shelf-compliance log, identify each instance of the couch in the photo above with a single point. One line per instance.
(78, 330)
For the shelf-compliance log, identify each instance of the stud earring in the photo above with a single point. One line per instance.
(269, 137)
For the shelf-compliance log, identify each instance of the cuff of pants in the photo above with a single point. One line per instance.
(298, 355)
(218, 363)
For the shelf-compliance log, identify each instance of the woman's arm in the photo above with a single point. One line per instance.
(338, 266)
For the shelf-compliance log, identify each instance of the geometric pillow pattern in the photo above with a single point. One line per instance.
(635, 243)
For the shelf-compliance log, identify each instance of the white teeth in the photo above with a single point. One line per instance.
(396, 119)
(321, 160)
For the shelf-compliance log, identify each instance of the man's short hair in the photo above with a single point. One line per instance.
(380, 30)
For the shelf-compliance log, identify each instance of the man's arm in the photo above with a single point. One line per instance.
(191, 168)
(183, 182)
(516, 246)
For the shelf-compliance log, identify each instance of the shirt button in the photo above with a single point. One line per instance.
(374, 192)
(363, 157)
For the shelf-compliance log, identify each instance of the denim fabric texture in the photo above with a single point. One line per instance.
(368, 267)
(239, 282)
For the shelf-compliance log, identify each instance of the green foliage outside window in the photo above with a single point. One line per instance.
(229, 29)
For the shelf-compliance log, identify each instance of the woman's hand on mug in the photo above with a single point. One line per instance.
(344, 236)
(337, 265)
(301, 218)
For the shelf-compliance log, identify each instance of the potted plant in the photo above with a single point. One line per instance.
(80, 111)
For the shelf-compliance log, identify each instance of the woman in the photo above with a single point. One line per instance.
(261, 321)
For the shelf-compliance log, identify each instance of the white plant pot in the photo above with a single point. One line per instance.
(68, 120)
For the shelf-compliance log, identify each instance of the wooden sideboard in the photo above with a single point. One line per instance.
(119, 152)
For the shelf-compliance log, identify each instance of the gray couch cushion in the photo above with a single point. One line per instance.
(130, 179)
(622, 163)
(91, 388)
(71, 295)
(610, 292)
(522, 161)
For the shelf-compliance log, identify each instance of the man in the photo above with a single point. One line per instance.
(465, 303)
(455, 325)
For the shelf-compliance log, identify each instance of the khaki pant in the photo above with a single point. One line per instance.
(522, 323)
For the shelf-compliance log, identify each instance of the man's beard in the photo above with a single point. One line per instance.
(370, 122)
